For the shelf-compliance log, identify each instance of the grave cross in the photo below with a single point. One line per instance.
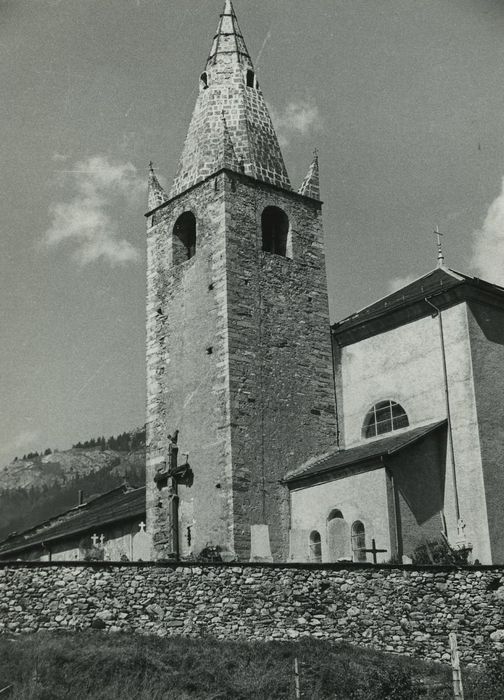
(142, 526)
(94, 539)
(373, 550)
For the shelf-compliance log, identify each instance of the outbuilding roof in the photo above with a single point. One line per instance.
(371, 450)
(118, 505)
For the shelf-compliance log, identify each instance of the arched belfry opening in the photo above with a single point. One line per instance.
(275, 231)
(203, 81)
(184, 238)
(251, 79)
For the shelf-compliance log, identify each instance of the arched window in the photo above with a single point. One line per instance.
(275, 231)
(358, 541)
(384, 417)
(251, 81)
(315, 547)
(204, 81)
(184, 238)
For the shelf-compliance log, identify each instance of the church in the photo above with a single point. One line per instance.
(272, 435)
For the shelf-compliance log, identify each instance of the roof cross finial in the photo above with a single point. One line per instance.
(440, 256)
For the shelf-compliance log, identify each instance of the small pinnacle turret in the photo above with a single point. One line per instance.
(228, 156)
(311, 183)
(229, 92)
(155, 192)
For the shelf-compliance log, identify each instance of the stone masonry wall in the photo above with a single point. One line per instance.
(280, 363)
(404, 610)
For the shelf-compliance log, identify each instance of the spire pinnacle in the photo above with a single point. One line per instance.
(155, 192)
(229, 41)
(440, 256)
(311, 183)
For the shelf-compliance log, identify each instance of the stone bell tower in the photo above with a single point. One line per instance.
(238, 341)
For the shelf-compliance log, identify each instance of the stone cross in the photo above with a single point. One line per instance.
(102, 539)
(94, 540)
(142, 526)
(373, 550)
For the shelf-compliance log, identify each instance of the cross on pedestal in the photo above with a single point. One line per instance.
(373, 550)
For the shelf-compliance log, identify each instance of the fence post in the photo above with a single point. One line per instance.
(458, 691)
(296, 678)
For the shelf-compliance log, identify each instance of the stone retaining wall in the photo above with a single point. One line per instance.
(405, 610)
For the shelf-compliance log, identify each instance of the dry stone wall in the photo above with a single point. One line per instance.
(396, 609)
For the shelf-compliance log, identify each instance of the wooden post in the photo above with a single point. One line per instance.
(296, 678)
(458, 691)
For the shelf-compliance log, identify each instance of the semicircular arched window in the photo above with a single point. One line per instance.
(275, 231)
(384, 417)
(315, 547)
(184, 238)
(358, 541)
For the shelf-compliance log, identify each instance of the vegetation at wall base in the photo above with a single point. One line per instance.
(104, 666)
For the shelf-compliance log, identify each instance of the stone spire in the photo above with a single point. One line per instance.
(228, 41)
(155, 193)
(229, 91)
(311, 183)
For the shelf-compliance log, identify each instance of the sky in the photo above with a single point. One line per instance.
(403, 99)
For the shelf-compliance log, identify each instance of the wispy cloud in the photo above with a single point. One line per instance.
(299, 118)
(399, 282)
(24, 441)
(85, 219)
(488, 243)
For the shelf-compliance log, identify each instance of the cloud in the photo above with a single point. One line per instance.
(488, 243)
(24, 441)
(297, 119)
(399, 282)
(59, 157)
(85, 220)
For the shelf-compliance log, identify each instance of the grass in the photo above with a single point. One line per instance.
(126, 667)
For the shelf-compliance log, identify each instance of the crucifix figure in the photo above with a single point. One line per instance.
(373, 550)
(440, 256)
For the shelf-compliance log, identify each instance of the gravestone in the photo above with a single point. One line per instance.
(260, 548)
(338, 540)
(141, 545)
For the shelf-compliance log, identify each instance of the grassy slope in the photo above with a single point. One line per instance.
(109, 667)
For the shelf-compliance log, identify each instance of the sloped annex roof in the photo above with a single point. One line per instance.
(442, 285)
(118, 505)
(371, 450)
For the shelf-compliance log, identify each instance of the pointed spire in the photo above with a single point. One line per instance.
(155, 193)
(311, 183)
(229, 87)
(229, 41)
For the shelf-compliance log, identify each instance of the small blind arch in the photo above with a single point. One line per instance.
(315, 546)
(184, 238)
(275, 231)
(384, 417)
(335, 513)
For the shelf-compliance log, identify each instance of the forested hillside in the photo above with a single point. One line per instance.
(38, 486)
